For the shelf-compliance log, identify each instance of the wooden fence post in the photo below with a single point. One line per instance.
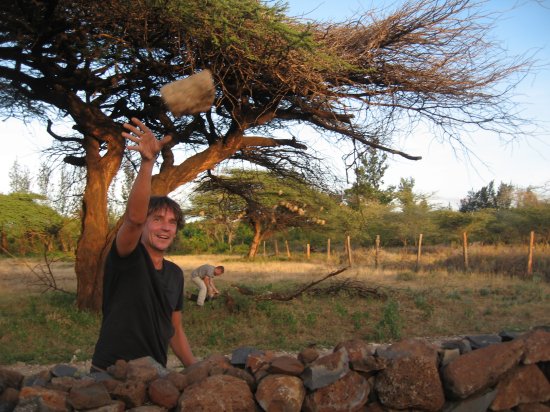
(376, 251)
(264, 249)
(287, 248)
(465, 249)
(530, 258)
(276, 248)
(308, 251)
(348, 247)
(419, 253)
(328, 249)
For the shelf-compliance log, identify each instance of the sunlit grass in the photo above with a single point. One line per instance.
(47, 328)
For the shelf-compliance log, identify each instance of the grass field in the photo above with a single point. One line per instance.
(378, 305)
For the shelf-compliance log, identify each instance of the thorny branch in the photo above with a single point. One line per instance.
(44, 276)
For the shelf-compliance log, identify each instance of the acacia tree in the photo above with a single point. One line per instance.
(20, 178)
(70, 60)
(269, 203)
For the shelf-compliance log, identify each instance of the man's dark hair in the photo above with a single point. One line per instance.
(157, 203)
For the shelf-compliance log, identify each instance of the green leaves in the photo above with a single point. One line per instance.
(23, 219)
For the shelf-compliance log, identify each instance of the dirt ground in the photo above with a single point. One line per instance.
(32, 275)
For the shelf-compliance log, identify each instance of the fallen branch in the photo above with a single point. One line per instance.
(293, 295)
(350, 286)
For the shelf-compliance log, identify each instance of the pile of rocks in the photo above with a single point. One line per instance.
(476, 373)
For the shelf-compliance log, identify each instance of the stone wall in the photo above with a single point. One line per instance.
(475, 373)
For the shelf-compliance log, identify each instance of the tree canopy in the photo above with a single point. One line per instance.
(266, 202)
(96, 67)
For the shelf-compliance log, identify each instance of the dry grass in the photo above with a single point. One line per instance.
(429, 303)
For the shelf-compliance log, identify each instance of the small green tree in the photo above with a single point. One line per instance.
(369, 180)
(20, 178)
(27, 226)
(412, 216)
(488, 198)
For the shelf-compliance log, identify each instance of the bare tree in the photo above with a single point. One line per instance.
(98, 66)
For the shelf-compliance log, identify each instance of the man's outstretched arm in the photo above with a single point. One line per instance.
(135, 216)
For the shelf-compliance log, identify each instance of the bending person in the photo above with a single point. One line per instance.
(203, 277)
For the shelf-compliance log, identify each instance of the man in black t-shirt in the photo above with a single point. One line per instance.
(143, 292)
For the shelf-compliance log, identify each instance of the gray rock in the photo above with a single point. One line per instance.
(239, 355)
(482, 341)
(326, 370)
(62, 370)
(507, 335)
(479, 403)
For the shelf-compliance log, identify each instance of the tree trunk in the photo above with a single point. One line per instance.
(95, 236)
(256, 240)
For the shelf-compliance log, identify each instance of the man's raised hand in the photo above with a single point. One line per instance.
(145, 141)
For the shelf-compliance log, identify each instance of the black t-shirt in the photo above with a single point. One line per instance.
(138, 302)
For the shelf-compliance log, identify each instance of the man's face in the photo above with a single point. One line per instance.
(160, 230)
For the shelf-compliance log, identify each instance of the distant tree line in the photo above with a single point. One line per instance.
(238, 211)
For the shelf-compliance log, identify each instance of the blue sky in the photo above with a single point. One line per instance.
(524, 27)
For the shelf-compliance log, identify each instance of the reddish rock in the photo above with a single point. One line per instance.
(213, 365)
(410, 382)
(526, 384)
(357, 349)
(53, 400)
(119, 370)
(144, 369)
(164, 393)
(217, 364)
(110, 384)
(537, 346)
(9, 398)
(218, 393)
(10, 379)
(257, 360)
(244, 375)
(375, 407)
(196, 372)
(88, 397)
(416, 348)
(480, 369)
(132, 393)
(179, 380)
(532, 407)
(368, 365)
(349, 394)
(281, 393)
(308, 355)
(286, 365)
